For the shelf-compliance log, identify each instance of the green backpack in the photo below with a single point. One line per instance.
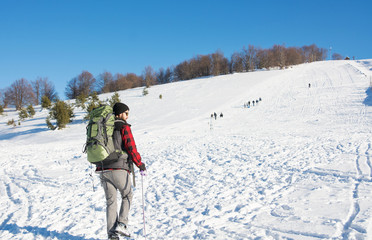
(100, 145)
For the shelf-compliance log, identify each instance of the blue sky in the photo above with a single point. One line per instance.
(60, 39)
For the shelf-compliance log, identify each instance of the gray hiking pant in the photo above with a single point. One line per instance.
(112, 181)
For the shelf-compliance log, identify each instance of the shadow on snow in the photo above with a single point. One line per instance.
(368, 100)
(15, 229)
(8, 136)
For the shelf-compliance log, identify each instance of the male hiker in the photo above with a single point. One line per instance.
(115, 175)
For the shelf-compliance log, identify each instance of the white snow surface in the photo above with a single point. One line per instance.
(295, 166)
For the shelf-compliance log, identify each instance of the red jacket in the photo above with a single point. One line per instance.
(130, 145)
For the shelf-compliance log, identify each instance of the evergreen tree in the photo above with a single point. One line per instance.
(30, 111)
(62, 113)
(45, 102)
(114, 99)
(23, 114)
(145, 91)
(81, 100)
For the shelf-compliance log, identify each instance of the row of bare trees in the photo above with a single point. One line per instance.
(250, 58)
(22, 92)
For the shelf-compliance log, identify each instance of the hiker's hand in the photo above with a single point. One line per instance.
(142, 167)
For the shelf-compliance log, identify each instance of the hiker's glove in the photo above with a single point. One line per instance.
(142, 167)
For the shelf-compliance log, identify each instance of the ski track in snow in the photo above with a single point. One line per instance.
(296, 166)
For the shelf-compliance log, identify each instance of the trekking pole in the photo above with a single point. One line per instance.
(143, 173)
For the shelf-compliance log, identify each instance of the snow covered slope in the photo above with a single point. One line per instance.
(297, 165)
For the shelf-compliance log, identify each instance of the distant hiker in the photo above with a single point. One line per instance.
(309, 85)
(260, 99)
(249, 103)
(212, 115)
(115, 175)
(215, 115)
(221, 115)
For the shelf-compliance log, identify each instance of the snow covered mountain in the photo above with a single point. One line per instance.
(297, 165)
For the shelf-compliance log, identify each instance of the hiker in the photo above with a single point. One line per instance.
(221, 115)
(215, 115)
(115, 175)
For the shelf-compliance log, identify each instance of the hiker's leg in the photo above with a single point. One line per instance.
(125, 189)
(111, 202)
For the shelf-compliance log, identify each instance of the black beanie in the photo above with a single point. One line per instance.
(120, 108)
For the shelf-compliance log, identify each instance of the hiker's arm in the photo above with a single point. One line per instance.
(130, 145)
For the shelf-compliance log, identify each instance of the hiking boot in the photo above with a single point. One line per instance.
(122, 229)
(113, 236)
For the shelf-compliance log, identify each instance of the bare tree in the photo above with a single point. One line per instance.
(72, 89)
(5, 97)
(86, 83)
(205, 65)
(337, 56)
(220, 64)
(48, 89)
(83, 84)
(135, 81)
(182, 71)
(278, 57)
(36, 86)
(149, 76)
(294, 56)
(20, 93)
(237, 62)
(313, 53)
(160, 76)
(249, 58)
(106, 82)
(122, 82)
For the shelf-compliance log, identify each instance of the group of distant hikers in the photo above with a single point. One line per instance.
(252, 103)
(214, 115)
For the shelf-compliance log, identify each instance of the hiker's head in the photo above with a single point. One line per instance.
(120, 109)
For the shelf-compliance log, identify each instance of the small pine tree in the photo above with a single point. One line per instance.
(115, 98)
(11, 122)
(92, 105)
(1, 110)
(23, 114)
(49, 124)
(94, 102)
(45, 102)
(81, 100)
(94, 97)
(62, 113)
(30, 111)
(160, 96)
(145, 91)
